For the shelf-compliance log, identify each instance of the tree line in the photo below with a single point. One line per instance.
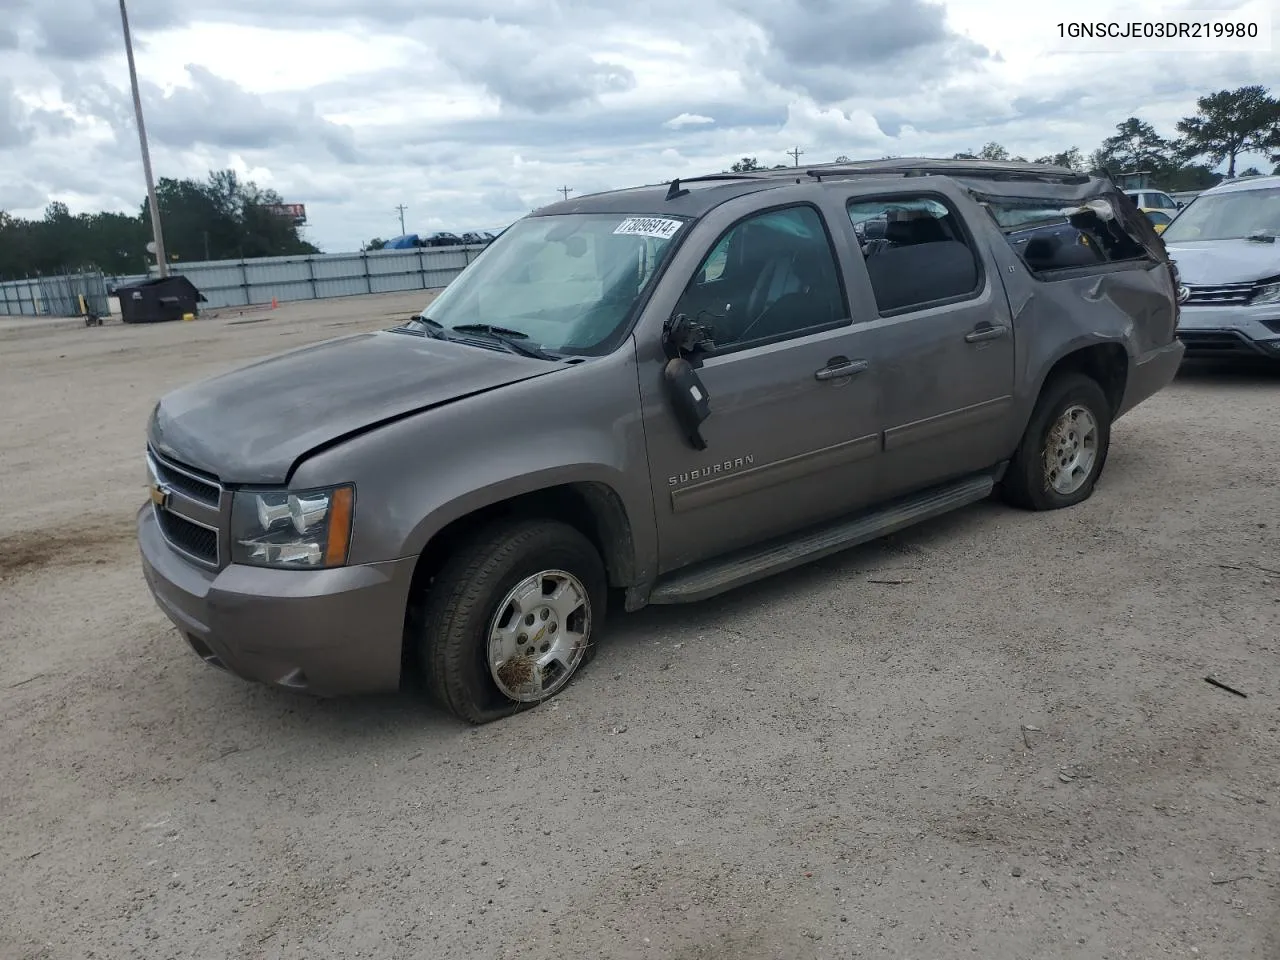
(220, 218)
(1225, 126)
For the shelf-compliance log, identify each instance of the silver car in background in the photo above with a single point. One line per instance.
(1224, 245)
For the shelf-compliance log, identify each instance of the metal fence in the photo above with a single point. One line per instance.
(57, 296)
(241, 283)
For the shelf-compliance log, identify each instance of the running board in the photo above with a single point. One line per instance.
(711, 577)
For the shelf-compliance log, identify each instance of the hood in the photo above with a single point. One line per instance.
(253, 424)
(1208, 262)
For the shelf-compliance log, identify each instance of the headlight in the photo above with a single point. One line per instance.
(292, 529)
(1268, 294)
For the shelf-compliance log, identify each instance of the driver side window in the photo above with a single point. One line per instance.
(770, 277)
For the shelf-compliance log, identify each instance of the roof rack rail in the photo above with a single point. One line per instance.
(705, 177)
(925, 166)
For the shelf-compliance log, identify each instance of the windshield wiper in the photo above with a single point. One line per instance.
(1261, 237)
(432, 328)
(511, 339)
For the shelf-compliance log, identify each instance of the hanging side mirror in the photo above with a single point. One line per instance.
(686, 343)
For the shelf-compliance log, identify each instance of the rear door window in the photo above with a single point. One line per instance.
(916, 253)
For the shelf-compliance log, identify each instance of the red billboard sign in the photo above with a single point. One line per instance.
(297, 212)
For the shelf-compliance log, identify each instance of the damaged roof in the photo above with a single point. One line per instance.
(695, 196)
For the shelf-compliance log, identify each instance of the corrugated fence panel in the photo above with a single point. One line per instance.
(55, 296)
(234, 283)
(240, 283)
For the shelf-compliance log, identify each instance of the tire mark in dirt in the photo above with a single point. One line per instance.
(95, 540)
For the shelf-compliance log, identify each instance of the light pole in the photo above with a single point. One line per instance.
(162, 262)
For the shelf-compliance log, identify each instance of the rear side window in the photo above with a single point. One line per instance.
(1050, 238)
(916, 253)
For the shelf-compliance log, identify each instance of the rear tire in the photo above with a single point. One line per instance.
(511, 619)
(1064, 448)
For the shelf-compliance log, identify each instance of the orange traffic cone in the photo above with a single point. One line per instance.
(274, 303)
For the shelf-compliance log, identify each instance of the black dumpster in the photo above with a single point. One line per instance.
(153, 301)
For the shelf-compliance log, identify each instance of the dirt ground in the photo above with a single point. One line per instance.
(1007, 751)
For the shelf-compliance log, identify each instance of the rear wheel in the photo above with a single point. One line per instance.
(512, 618)
(1064, 448)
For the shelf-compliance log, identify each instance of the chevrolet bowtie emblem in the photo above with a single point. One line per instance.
(159, 495)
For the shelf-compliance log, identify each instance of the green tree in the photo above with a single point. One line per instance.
(220, 218)
(989, 151)
(1229, 123)
(745, 165)
(1070, 158)
(1196, 176)
(1135, 147)
(377, 243)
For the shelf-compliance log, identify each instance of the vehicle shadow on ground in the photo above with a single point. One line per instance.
(410, 715)
(1220, 373)
(893, 557)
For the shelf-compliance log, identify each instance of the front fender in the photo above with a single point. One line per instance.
(580, 424)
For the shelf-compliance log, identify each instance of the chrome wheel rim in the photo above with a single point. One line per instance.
(1071, 450)
(539, 635)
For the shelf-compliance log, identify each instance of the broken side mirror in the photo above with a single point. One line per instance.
(683, 337)
(686, 342)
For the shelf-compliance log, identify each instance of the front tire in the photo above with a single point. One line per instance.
(1065, 446)
(512, 618)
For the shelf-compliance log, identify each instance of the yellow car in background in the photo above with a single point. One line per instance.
(1159, 218)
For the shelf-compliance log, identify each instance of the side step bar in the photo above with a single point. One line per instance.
(712, 577)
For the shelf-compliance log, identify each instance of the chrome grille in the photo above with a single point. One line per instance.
(186, 536)
(194, 485)
(1218, 294)
(188, 506)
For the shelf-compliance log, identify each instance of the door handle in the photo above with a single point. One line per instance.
(838, 368)
(986, 331)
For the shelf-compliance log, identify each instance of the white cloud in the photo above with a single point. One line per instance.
(688, 120)
(471, 112)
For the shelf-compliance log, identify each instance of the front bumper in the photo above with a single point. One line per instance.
(1230, 331)
(326, 632)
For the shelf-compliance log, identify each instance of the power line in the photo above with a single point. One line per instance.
(402, 208)
(565, 191)
(796, 153)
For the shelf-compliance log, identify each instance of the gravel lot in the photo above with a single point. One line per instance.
(1012, 753)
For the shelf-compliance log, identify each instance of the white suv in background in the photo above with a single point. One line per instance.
(1225, 246)
(1154, 200)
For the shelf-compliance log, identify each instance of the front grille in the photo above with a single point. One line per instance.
(188, 508)
(1219, 294)
(186, 480)
(199, 543)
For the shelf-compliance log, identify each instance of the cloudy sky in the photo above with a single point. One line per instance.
(471, 112)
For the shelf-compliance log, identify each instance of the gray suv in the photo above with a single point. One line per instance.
(650, 396)
(1226, 248)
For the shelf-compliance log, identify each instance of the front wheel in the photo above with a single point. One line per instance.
(511, 618)
(1064, 448)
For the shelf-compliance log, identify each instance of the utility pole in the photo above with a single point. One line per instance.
(162, 261)
(796, 154)
(565, 190)
(402, 208)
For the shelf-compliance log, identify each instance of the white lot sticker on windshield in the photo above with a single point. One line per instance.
(659, 227)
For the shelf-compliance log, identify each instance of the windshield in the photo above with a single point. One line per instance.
(563, 283)
(1228, 216)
